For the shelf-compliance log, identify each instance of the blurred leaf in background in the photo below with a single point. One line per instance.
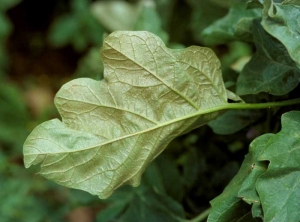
(149, 13)
(223, 30)
(111, 14)
(282, 20)
(271, 69)
(5, 30)
(140, 16)
(13, 116)
(90, 65)
(78, 28)
(228, 204)
(204, 13)
(234, 120)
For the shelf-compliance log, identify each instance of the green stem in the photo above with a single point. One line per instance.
(200, 217)
(262, 105)
(230, 106)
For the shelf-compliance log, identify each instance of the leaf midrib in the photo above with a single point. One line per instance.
(195, 114)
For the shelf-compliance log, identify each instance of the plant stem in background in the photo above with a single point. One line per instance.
(200, 217)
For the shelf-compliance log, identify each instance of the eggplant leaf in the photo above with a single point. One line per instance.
(282, 179)
(223, 30)
(282, 20)
(270, 69)
(269, 174)
(229, 205)
(113, 128)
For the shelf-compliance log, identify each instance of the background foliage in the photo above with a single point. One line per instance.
(44, 44)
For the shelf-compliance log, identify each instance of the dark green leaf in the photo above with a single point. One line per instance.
(13, 115)
(6, 4)
(111, 212)
(165, 10)
(90, 65)
(156, 207)
(282, 20)
(247, 190)
(229, 206)
(255, 3)
(149, 13)
(270, 70)
(234, 120)
(279, 187)
(62, 31)
(243, 29)
(154, 178)
(80, 23)
(223, 30)
(263, 186)
(172, 180)
(205, 12)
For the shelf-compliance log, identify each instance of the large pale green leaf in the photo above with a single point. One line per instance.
(282, 20)
(279, 187)
(270, 69)
(111, 129)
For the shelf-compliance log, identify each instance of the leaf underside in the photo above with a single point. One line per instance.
(113, 128)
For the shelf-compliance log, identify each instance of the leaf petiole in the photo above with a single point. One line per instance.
(200, 217)
(230, 106)
(262, 105)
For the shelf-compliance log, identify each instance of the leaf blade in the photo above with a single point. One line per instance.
(112, 129)
(270, 69)
(279, 187)
(281, 20)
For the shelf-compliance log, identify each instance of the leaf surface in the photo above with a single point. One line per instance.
(270, 69)
(204, 9)
(156, 207)
(229, 206)
(223, 30)
(279, 187)
(113, 128)
(234, 120)
(282, 20)
(268, 178)
(248, 190)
